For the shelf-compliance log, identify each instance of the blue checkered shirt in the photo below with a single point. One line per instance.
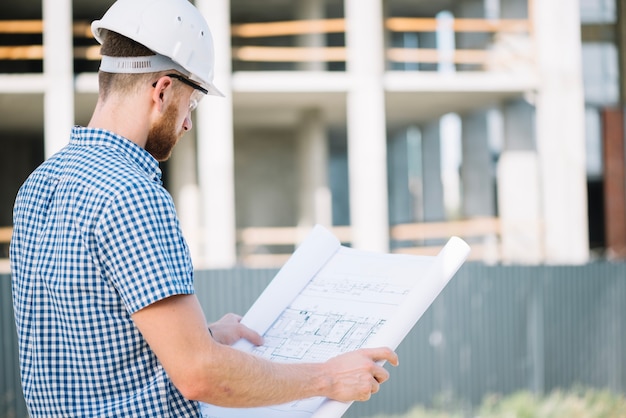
(96, 238)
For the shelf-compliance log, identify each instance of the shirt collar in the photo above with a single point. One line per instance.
(83, 136)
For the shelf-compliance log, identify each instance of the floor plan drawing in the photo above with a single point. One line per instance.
(309, 336)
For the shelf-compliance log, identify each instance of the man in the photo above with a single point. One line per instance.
(108, 322)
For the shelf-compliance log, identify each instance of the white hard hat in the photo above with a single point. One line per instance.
(173, 29)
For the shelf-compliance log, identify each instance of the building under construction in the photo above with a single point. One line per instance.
(398, 123)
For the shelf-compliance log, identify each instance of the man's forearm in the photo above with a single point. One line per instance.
(235, 379)
(205, 370)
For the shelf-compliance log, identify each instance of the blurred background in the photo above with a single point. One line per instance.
(396, 124)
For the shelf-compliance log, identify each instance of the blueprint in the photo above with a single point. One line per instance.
(330, 299)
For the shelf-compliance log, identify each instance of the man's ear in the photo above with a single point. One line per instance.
(160, 92)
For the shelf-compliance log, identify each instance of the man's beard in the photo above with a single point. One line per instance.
(163, 136)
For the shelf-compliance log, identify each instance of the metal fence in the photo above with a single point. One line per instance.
(494, 329)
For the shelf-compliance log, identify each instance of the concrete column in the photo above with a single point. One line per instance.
(433, 204)
(315, 203)
(58, 67)
(450, 149)
(214, 120)
(478, 197)
(415, 160)
(492, 9)
(366, 125)
(519, 188)
(400, 193)
(519, 201)
(477, 174)
(186, 193)
(311, 10)
(446, 43)
(560, 131)
(514, 9)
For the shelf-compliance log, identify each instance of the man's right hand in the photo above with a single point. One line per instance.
(356, 375)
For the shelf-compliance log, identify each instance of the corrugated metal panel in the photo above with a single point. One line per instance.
(494, 329)
(11, 400)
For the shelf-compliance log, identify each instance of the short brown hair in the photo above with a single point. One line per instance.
(116, 45)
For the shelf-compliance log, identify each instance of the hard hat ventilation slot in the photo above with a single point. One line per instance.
(138, 65)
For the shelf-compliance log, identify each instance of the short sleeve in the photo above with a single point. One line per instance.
(141, 248)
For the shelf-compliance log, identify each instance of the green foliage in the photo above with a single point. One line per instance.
(575, 403)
